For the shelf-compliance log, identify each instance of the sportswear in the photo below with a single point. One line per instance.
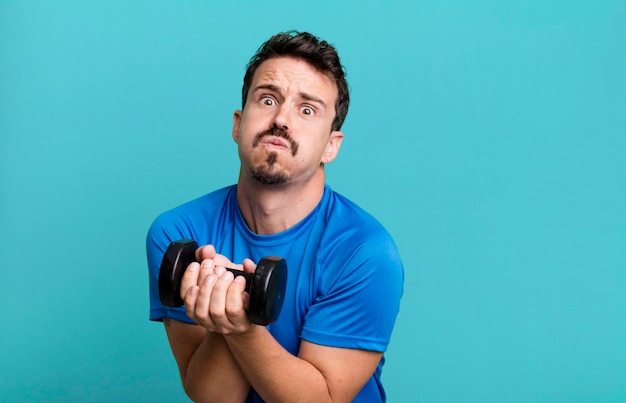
(345, 277)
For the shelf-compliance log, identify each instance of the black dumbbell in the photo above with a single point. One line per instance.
(266, 285)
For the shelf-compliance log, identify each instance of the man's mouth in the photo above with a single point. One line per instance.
(275, 141)
(278, 138)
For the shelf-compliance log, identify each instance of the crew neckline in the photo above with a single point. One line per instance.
(280, 237)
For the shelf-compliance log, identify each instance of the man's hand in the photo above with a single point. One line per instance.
(214, 298)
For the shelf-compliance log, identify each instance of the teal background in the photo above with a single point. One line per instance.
(489, 137)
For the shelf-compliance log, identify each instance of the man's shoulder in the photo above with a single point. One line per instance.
(351, 231)
(194, 213)
(344, 213)
(203, 203)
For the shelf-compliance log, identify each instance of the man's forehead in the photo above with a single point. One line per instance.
(286, 74)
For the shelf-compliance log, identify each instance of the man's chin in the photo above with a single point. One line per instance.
(269, 176)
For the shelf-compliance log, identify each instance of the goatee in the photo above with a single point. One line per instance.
(266, 175)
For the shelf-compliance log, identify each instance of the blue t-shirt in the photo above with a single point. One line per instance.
(345, 276)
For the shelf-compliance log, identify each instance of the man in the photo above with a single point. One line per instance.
(344, 273)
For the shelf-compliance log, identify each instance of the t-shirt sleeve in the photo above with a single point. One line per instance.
(359, 297)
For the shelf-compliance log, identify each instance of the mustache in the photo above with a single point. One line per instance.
(277, 132)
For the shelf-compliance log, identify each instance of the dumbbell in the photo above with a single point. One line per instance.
(266, 285)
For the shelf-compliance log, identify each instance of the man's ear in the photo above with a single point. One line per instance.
(236, 123)
(332, 148)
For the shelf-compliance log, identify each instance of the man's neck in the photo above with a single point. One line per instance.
(270, 209)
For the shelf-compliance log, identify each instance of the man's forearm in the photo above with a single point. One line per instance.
(274, 373)
(213, 374)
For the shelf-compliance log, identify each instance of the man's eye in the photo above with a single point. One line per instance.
(267, 101)
(306, 110)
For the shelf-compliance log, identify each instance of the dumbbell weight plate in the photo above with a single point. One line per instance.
(267, 291)
(175, 261)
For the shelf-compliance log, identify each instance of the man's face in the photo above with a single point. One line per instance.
(284, 132)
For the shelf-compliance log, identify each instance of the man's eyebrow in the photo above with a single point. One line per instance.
(270, 87)
(312, 98)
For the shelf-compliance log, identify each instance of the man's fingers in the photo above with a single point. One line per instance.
(205, 252)
(206, 267)
(248, 266)
(217, 309)
(190, 301)
(214, 296)
(190, 278)
(208, 252)
(203, 300)
(234, 301)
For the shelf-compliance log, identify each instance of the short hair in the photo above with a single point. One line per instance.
(304, 46)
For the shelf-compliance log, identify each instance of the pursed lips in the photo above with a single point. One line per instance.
(275, 141)
(276, 138)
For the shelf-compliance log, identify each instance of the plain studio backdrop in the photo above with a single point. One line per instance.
(489, 137)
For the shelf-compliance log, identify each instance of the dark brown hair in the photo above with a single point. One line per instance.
(319, 54)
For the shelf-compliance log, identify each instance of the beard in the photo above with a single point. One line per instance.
(267, 175)
(265, 172)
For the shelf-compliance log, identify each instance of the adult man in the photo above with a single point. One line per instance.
(344, 273)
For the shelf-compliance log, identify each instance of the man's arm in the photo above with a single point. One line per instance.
(317, 374)
(214, 298)
(207, 368)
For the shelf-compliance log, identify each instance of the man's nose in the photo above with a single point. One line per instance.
(282, 117)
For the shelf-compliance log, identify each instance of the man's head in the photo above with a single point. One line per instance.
(304, 46)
